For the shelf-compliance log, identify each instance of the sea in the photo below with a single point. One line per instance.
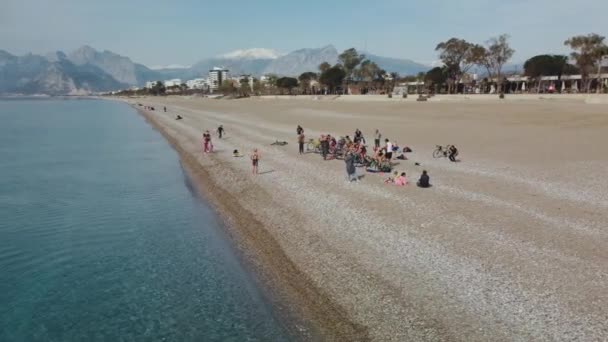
(102, 237)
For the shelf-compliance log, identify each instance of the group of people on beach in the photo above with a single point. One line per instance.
(354, 152)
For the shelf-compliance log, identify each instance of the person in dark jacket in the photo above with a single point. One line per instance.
(351, 171)
(424, 181)
(452, 153)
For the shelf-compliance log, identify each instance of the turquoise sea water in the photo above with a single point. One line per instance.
(103, 239)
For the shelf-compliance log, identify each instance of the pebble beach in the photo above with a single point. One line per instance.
(509, 244)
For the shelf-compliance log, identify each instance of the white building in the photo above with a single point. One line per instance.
(198, 83)
(265, 78)
(173, 82)
(216, 77)
(150, 84)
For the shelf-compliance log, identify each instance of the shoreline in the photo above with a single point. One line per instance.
(291, 293)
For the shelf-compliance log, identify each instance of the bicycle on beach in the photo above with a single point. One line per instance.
(441, 151)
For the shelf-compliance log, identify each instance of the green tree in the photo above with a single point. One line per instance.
(158, 89)
(459, 56)
(332, 77)
(245, 88)
(436, 77)
(497, 54)
(588, 53)
(350, 59)
(545, 65)
(305, 79)
(287, 83)
(258, 87)
(227, 88)
(324, 66)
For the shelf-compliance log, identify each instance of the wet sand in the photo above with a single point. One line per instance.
(508, 244)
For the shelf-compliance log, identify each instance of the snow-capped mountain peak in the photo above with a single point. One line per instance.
(255, 53)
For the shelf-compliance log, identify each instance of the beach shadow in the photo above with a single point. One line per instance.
(360, 177)
(265, 172)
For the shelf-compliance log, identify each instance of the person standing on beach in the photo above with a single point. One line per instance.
(255, 161)
(377, 137)
(389, 150)
(351, 171)
(299, 130)
(207, 145)
(324, 146)
(220, 131)
(301, 142)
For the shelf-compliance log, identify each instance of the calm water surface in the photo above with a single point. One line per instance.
(102, 239)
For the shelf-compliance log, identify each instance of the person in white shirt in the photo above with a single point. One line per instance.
(389, 150)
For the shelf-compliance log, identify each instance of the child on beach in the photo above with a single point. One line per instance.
(401, 180)
(390, 179)
(255, 160)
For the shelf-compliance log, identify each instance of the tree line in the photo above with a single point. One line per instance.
(458, 58)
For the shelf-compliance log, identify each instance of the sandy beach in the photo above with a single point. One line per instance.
(508, 245)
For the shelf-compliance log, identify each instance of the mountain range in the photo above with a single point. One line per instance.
(87, 70)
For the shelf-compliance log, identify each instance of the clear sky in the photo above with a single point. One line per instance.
(159, 32)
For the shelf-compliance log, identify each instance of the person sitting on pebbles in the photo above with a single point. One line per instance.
(424, 181)
(401, 180)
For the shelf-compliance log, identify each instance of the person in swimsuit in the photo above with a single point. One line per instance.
(255, 160)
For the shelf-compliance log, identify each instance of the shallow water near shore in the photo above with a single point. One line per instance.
(103, 238)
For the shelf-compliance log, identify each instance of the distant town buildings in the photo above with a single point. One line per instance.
(150, 84)
(173, 82)
(198, 83)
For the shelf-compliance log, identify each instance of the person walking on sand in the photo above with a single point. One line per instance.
(220, 131)
(165, 108)
(377, 137)
(351, 171)
(206, 141)
(301, 142)
(255, 161)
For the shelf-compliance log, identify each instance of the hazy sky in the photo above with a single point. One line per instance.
(183, 32)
